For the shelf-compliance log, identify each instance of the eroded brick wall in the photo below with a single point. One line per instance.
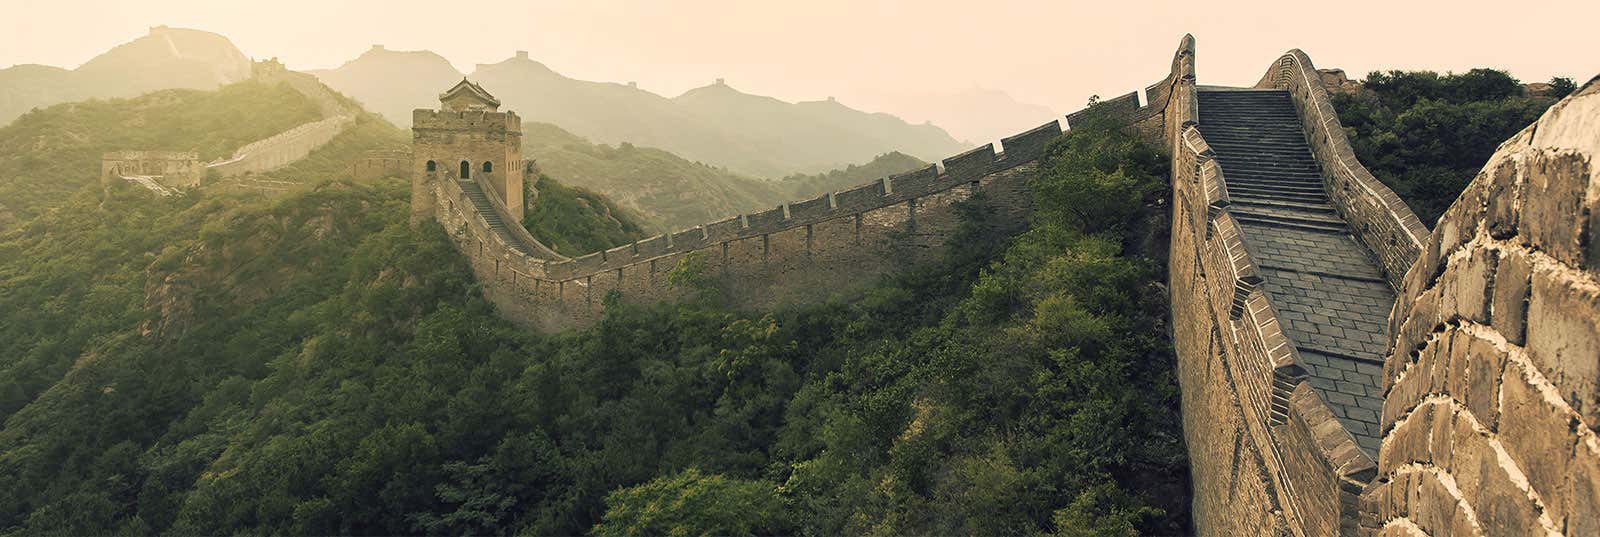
(1493, 388)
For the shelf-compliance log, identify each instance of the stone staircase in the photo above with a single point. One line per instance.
(485, 208)
(1330, 293)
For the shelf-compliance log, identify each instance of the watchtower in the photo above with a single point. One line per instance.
(467, 139)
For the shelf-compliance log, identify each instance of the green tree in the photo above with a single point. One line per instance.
(692, 503)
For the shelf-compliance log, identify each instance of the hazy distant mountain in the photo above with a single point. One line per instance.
(749, 134)
(977, 115)
(165, 58)
(392, 82)
(671, 193)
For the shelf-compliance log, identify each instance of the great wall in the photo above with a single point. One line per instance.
(1344, 371)
(180, 170)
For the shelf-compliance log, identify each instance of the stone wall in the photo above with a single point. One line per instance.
(281, 149)
(1493, 382)
(796, 252)
(1380, 220)
(451, 139)
(1267, 455)
(380, 163)
(176, 169)
(289, 146)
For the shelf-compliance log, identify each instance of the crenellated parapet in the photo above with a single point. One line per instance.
(290, 146)
(796, 251)
(1268, 453)
(1489, 390)
(1378, 217)
(1492, 385)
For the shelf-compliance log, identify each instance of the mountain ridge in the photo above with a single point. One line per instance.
(717, 124)
(164, 58)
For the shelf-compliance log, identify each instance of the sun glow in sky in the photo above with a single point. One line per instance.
(865, 53)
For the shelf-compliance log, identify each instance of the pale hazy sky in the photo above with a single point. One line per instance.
(1051, 53)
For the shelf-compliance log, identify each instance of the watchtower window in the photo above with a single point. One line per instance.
(433, 166)
(466, 170)
(488, 167)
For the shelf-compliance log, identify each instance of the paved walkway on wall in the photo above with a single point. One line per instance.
(1329, 292)
(480, 200)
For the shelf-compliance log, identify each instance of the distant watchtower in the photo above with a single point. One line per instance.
(468, 139)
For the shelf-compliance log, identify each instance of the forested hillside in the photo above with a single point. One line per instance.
(574, 221)
(1426, 135)
(315, 365)
(48, 154)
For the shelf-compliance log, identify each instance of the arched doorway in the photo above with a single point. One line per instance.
(466, 170)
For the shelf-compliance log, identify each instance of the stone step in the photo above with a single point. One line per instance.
(1291, 187)
(1319, 208)
(1289, 223)
(1309, 182)
(1242, 192)
(1255, 146)
(1291, 213)
(1281, 100)
(1232, 132)
(1233, 170)
(1245, 194)
(1276, 123)
(485, 208)
(1246, 115)
(1245, 158)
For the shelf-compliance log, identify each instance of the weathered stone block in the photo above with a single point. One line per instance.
(1459, 223)
(1475, 379)
(1508, 309)
(1417, 381)
(1502, 507)
(1471, 457)
(1440, 438)
(1582, 504)
(1564, 338)
(1555, 184)
(1469, 280)
(1504, 196)
(1435, 508)
(1408, 441)
(1538, 435)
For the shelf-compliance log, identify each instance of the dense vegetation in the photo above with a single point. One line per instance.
(47, 154)
(670, 193)
(574, 221)
(1426, 135)
(314, 365)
